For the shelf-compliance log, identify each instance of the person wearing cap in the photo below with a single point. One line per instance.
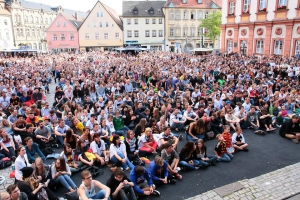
(290, 129)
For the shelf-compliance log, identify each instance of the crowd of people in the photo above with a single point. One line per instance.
(117, 110)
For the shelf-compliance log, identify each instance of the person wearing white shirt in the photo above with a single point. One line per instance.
(190, 115)
(20, 162)
(238, 140)
(98, 149)
(177, 120)
(247, 105)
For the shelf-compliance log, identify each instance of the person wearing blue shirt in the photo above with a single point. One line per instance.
(159, 172)
(33, 150)
(138, 175)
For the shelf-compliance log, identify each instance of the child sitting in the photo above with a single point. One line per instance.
(227, 137)
(238, 140)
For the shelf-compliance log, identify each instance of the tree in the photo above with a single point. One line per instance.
(212, 25)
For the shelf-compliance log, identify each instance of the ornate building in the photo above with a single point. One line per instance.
(6, 31)
(258, 27)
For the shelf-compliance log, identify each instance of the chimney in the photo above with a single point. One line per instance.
(76, 16)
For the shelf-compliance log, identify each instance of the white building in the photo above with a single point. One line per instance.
(143, 23)
(6, 32)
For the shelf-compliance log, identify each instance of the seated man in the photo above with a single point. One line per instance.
(172, 158)
(138, 175)
(43, 135)
(254, 121)
(87, 189)
(15, 193)
(177, 121)
(33, 151)
(120, 186)
(167, 136)
(290, 129)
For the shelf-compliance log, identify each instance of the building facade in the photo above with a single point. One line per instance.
(62, 35)
(6, 31)
(101, 30)
(144, 24)
(261, 27)
(183, 18)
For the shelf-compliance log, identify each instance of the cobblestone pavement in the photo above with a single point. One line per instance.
(279, 184)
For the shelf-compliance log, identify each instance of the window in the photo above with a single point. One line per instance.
(54, 37)
(129, 33)
(57, 24)
(5, 21)
(282, 2)
(229, 46)
(26, 19)
(172, 16)
(40, 46)
(46, 20)
(200, 14)
(206, 14)
(177, 15)
(71, 36)
(36, 20)
(96, 36)
(160, 21)
(177, 32)
(87, 36)
(185, 31)
(38, 33)
(246, 5)
(65, 24)
(32, 32)
(199, 1)
(259, 46)
(136, 33)
(171, 32)
(193, 15)
(50, 19)
(278, 47)
(153, 21)
(200, 31)
(135, 11)
(128, 21)
(100, 24)
(231, 7)
(105, 36)
(192, 31)
(147, 33)
(185, 14)
(34, 46)
(42, 21)
(160, 33)
(262, 4)
(136, 21)
(21, 32)
(99, 14)
(153, 33)
(184, 1)
(117, 35)
(297, 48)
(62, 37)
(147, 21)
(106, 24)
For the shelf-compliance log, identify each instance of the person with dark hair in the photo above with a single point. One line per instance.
(21, 162)
(187, 160)
(87, 190)
(290, 129)
(120, 186)
(7, 144)
(172, 158)
(200, 154)
(81, 148)
(131, 143)
(71, 159)
(33, 151)
(71, 138)
(118, 153)
(196, 130)
(99, 150)
(43, 135)
(221, 150)
(19, 126)
(61, 174)
(138, 175)
(15, 193)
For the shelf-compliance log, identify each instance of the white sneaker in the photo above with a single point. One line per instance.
(178, 169)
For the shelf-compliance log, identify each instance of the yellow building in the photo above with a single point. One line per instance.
(182, 20)
(101, 30)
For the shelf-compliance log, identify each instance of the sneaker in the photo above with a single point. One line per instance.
(197, 167)
(156, 193)
(178, 176)
(55, 145)
(127, 169)
(178, 169)
(180, 137)
(176, 129)
(279, 126)
(245, 149)
(172, 181)
(295, 141)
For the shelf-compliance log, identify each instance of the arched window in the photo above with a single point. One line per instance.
(34, 46)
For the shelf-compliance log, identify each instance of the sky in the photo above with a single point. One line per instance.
(82, 5)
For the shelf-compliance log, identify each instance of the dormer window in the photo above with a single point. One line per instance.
(199, 1)
(135, 11)
(185, 1)
(151, 11)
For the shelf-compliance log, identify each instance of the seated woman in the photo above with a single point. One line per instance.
(186, 157)
(71, 138)
(232, 120)
(33, 188)
(147, 142)
(130, 119)
(238, 140)
(99, 150)
(140, 127)
(7, 126)
(131, 143)
(78, 126)
(196, 130)
(33, 151)
(21, 162)
(87, 136)
(61, 174)
(44, 173)
(118, 153)
(265, 120)
(81, 151)
(200, 154)
(7, 144)
(70, 157)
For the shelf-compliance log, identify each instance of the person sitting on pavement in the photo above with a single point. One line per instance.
(200, 154)
(227, 138)
(177, 120)
(71, 159)
(167, 136)
(33, 151)
(99, 150)
(147, 142)
(238, 141)
(290, 129)
(196, 130)
(254, 120)
(187, 160)
(14, 193)
(221, 150)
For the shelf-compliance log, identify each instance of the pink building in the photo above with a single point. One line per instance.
(62, 34)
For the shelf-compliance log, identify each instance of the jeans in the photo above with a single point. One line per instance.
(122, 131)
(126, 193)
(60, 139)
(66, 181)
(177, 125)
(125, 165)
(99, 195)
(217, 130)
(226, 157)
(212, 159)
(10, 153)
(199, 136)
(188, 166)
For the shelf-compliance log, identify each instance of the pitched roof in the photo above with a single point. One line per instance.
(143, 7)
(194, 4)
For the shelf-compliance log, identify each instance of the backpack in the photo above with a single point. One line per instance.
(5, 162)
(95, 171)
(210, 135)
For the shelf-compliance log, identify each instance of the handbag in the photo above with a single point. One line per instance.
(210, 135)
(72, 195)
(95, 171)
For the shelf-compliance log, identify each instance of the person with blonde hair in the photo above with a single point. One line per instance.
(5, 196)
(147, 142)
